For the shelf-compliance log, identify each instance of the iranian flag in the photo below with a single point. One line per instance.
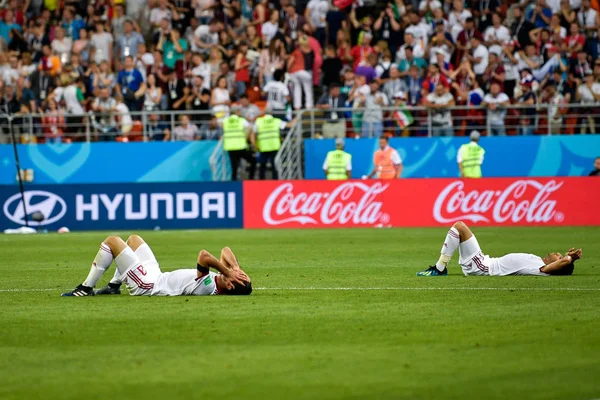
(403, 118)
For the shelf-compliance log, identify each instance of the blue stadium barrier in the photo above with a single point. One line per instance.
(110, 162)
(126, 206)
(436, 157)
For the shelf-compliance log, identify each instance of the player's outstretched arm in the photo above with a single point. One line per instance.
(229, 259)
(207, 260)
(557, 265)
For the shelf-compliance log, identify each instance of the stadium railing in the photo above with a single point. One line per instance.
(400, 121)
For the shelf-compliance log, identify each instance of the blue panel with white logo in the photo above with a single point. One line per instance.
(436, 157)
(110, 162)
(123, 206)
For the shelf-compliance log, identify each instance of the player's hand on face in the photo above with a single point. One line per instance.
(238, 276)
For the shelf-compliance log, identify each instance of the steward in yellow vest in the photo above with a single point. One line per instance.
(267, 139)
(338, 164)
(235, 143)
(470, 157)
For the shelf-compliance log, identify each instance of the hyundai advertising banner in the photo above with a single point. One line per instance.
(125, 206)
(421, 202)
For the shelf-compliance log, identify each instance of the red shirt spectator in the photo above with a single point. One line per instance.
(360, 53)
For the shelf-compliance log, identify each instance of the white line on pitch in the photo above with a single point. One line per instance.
(558, 289)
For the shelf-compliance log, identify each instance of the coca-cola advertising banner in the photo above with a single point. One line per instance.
(421, 202)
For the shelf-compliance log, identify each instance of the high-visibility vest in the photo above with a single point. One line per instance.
(472, 157)
(268, 133)
(337, 160)
(234, 134)
(384, 164)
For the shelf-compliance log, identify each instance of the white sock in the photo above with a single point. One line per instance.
(450, 245)
(115, 279)
(101, 263)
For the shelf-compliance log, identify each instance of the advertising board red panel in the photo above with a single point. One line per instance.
(421, 202)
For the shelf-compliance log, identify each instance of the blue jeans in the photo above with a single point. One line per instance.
(525, 130)
(371, 129)
(442, 131)
(240, 88)
(497, 130)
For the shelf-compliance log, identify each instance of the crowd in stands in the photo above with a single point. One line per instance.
(101, 61)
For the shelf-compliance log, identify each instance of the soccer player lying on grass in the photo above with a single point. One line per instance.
(138, 268)
(474, 262)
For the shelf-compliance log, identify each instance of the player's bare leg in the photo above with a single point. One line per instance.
(110, 248)
(114, 286)
(458, 233)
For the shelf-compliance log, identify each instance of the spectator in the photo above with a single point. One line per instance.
(440, 43)
(522, 27)
(24, 95)
(172, 48)
(156, 129)
(72, 25)
(457, 18)
(83, 47)
(165, 10)
(589, 20)
(202, 70)
(494, 73)
(575, 42)
(372, 119)
(300, 65)
(207, 36)
(367, 69)
(463, 42)
(271, 27)
(478, 57)
(186, 131)
(131, 85)
(332, 66)
(102, 43)
(128, 42)
(415, 84)
(496, 35)
(61, 45)
(162, 32)
(220, 99)
(556, 101)
(527, 114)
(53, 121)
(177, 92)
(596, 170)
(334, 125)
(37, 40)
(360, 53)
(242, 69)
(248, 110)
(496, 102)
(394, 83)
(278, 95)
(125, 123)
(439, 102)
(11, 72)
(540, 14)
(588, 93)
(316, 14)
(104, 79)
(271, 59)
(104, 120)
(153, 94)
(416, 48)
(7, 24)
(387, 27)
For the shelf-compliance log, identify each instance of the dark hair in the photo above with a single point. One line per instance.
(243, 96)
(277, 75)
(239, 290)
(567, 270)
(387, 139)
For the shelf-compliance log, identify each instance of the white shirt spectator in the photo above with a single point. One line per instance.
(496, 116)
(69, 95)
(203, 70)
(63, 48)
(418, 51)
(556, 103)
(185, 133)
(157, 14)
(318, 12)
(433, 5)
(204, 34)
(554, 5)
(277, 94)
(269, 30)
(420, 31)
(458, 19)
(511, 71)
(124, 115)
(587, 18)
(481, 52)
(102, 43)
(587, 95)
(521, 65)
(221, 95)
(441, 117)
(502, 34)
(10, 75)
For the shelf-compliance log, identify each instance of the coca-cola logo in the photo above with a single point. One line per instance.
(523, 200)
(349, 203)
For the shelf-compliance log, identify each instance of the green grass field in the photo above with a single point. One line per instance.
(336, 314)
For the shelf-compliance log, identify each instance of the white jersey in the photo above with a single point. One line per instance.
(142, 275)
(185, 282)
(474, 262)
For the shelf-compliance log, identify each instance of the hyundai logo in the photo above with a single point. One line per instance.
(50, 205)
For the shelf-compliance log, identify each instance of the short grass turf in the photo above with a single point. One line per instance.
(414, 338)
